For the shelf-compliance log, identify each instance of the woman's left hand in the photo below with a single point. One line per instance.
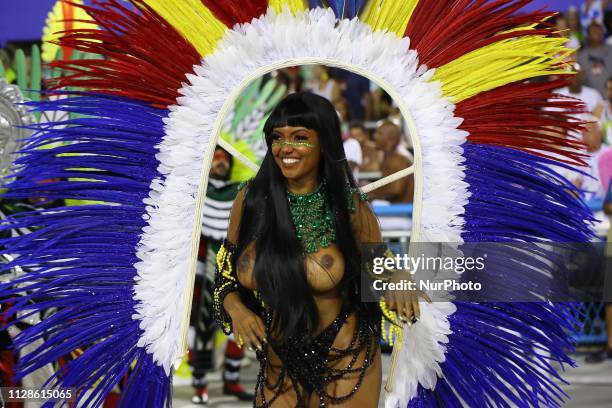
(405, 303)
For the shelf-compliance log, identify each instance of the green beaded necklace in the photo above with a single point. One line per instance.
(312, 218)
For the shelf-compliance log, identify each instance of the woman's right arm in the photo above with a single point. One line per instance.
(225, 293)
(230, 311)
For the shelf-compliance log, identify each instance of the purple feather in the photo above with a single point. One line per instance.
(500, 354)
(79, 260)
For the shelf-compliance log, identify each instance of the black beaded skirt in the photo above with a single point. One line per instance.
(312, 364)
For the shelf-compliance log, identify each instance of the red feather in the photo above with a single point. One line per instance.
(68, 13)
(231, 12)
(145, 57)
(526, 116)
(442, 31)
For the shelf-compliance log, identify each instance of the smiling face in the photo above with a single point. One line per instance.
(360, 134)
(297, 152)
(595, 34)
(387, 137)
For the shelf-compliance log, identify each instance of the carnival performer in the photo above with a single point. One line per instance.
(287, 280)
(220, 195)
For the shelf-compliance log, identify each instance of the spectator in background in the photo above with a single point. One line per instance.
(387, 137)
(220, 195)
(592, 135)
(356, 89)
(381, 106)
(295, 78)
(605, 170)
(592, 99)
(589, 183)
(346, 116)
(323, 84)
(354, 155)
(596, 59)
(372, 155)
(607, 113)
(562, 25)
(591, 186)
(592, 11)
(573, 23)
(352, 148)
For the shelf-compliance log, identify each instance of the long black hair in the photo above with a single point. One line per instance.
(279, 267)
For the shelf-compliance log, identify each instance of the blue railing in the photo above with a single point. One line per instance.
(593, 325)
(595, 205)
(393, 210)
(406, 209)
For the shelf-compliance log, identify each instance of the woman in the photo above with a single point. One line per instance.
(288, 273)
(323, 84)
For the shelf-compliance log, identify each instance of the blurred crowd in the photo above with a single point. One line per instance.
(588, 29)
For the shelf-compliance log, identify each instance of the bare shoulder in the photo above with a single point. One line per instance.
(364, 222)
(398, 161)
(233, 229)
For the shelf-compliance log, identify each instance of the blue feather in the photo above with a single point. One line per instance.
(342, 8)
(501, 354)
(79, 260)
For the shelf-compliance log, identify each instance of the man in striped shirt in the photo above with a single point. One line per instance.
(220, 195)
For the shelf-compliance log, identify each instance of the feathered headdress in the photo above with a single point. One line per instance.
(119, 274)
(66, 15)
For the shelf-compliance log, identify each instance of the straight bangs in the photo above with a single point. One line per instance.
(291, 112)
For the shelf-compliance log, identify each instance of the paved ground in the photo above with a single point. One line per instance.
(591, 387)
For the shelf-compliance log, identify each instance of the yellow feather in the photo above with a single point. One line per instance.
(55, 24)
(501, 63)
(196, 23)
(294, 5)
(390, 15)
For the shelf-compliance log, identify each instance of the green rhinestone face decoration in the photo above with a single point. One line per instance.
(313, 219)
(295, 145)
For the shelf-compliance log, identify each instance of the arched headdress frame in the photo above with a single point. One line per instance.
(205, 103)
